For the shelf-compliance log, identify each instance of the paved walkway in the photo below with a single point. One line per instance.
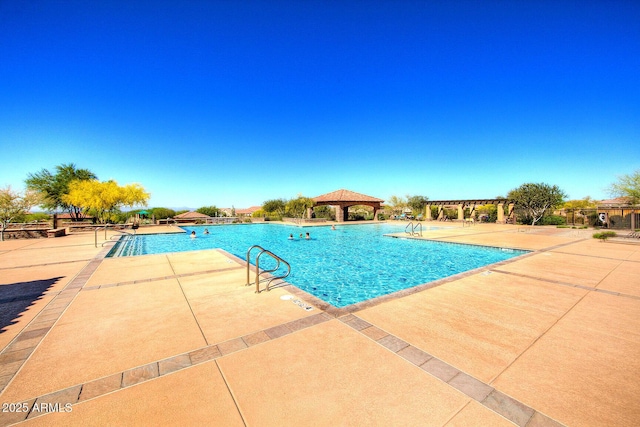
(549, 339)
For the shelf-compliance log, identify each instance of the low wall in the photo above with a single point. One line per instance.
(30, 233)
(82, 228)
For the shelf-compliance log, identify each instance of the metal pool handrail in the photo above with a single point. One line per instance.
(258, 273)
(96, 233)
(106, 226)
(413, 231)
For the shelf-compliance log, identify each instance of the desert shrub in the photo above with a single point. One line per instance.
(451, 213)
(434, 212)
(40, 217)
(604, 235)
(356, 217)
(553, 220)
(487, 213)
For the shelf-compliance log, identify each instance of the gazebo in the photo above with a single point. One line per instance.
(192, 217)
(342, 199)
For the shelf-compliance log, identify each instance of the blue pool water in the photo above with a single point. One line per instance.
(342, 267)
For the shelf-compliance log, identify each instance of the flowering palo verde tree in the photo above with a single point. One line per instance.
(104, 199)
(13, 204)
(534, 200)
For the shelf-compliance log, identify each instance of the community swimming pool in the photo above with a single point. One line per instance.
(345, 266)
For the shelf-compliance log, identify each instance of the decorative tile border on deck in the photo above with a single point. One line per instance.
(571, 285)
(99, 387)
(16, 353)
(507, 407)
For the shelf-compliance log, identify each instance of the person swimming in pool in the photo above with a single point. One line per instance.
(206, 231)
(308, 237)
(193, 235)
(290, 236)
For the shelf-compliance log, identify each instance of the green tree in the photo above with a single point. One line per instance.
(417, 203)
(586, 203)
(325, 211)
(209, 210)
(276, 206)
(534, 200)
(162, 213)
(396, 204)
(14, 204)
(104, 199)
(627, 186)
(53, 187)
(297, 207)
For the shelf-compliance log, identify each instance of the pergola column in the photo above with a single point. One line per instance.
(440, 212)
(376, 210)
(512, 214)
(472, 212)
(427, 212)
(339, 213)
(500, 213)
(460, 212)
(309, 213)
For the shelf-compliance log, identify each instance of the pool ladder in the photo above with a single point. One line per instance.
(105, 227)
(413, 231)
(259, 273)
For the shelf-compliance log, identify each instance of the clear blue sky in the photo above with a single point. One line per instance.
(236, 102)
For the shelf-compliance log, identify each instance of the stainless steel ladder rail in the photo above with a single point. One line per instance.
(105, 227)
(259, 273)
(410, 225)
(116, 237)
(413, 231)
(105, 233)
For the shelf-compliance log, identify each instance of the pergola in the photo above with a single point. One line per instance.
(342, 199)
(462, 204)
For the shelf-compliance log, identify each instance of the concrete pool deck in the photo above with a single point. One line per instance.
(550, 338)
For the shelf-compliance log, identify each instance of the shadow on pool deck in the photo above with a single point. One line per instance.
(15, 298)
(548, 339)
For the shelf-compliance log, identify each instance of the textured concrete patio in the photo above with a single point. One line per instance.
(550, 338)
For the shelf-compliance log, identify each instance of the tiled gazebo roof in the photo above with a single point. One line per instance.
(191, 215)
(346, 196)
(618, 201)
(248, 211)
